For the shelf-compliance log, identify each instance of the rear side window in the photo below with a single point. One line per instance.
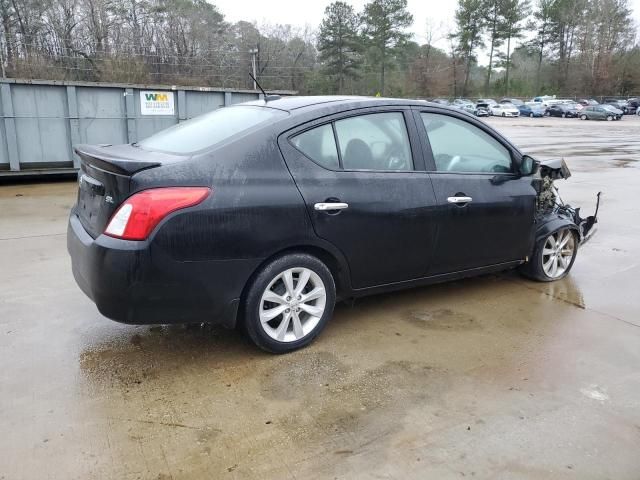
(319, 145)
(377, 141)
(209, 129)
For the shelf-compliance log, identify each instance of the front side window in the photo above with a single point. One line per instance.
(377, 141)
(459, 146)
(209, 129)
(319, 145)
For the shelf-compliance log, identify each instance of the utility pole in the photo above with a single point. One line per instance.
(254, 52)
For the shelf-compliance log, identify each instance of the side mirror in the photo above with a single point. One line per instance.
(528, 166)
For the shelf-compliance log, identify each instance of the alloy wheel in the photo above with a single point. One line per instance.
(558, 252)
(292, 304)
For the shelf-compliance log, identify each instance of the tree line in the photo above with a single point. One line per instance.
(495, 47)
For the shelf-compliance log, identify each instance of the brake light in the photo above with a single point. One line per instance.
(136, 218)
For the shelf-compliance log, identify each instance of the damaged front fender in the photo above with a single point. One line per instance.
(552, 213)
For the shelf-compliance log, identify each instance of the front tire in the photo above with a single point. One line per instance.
(583, 117)
(289, 302)
(609, 118)
(553, 256)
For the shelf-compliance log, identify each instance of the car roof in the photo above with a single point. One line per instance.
(290, 104)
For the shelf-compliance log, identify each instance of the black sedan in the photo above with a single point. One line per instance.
(262, 215)
(562, 110)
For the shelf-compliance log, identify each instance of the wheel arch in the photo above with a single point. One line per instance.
(551, 225)
(334, 261)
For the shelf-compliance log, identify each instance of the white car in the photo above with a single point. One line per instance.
(545, 101)
(505, 110)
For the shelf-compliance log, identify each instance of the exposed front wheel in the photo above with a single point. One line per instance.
(553, 256)
(609, 118)
(583, 117)
(531, 115)
(289, 302)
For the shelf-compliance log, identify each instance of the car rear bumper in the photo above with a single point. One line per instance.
(131, 282)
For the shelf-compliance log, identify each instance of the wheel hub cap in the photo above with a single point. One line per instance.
(557, 253)
(292, 304)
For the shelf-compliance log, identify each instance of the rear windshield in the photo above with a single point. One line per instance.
(209, 129)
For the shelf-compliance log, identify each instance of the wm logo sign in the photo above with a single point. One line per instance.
(156, 97)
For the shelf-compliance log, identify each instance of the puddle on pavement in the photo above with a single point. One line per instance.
(442, 319)
(625, 162)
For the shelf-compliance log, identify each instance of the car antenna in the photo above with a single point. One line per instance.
(264, 94)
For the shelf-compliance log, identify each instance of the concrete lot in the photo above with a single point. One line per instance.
(494, 377)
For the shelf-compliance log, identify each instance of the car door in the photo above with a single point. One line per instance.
(362, 177)
(485, 210)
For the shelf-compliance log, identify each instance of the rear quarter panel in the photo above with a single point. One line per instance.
(254, 209)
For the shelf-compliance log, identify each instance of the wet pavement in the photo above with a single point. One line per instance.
(494, 377)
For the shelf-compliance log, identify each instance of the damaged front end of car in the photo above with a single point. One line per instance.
(551, 212)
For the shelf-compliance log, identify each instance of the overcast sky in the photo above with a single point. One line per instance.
(438, 13)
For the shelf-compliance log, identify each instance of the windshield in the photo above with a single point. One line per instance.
(209, 129)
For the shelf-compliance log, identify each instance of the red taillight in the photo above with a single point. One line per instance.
(136, 218)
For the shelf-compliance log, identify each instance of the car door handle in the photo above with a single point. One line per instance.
(459, 200)
(324, 207)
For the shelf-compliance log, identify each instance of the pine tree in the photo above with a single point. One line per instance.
(384, 23)
(339, 42)
(470, 23)
(496, 26)
(516, 12)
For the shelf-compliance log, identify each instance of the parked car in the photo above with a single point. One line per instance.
(588, 102)
(505, 110)
(263, 214)
(562, 110)
(463, 104)
(512, 101)
(531, 110)
(545, 100)
(634, 105)
(573, 103)
(622, 105)
(597, 112)
(488, 101)
(441, 101)
(616, 111)
(480, 110)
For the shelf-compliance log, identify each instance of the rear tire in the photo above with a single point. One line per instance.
(553, 256)
(276, 316)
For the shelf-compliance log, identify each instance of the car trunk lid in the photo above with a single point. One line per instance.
(104, 180)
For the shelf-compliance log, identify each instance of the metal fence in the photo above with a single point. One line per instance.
(42, 120)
